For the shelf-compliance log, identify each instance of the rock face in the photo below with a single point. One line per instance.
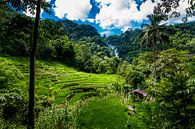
(131, 110)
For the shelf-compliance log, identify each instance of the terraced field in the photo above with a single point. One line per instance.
(103, 113)
(58, 83)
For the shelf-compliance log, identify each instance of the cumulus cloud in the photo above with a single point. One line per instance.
(119, 13)
(113, 14)
(72, 9)
(107, 33)
(92, 20)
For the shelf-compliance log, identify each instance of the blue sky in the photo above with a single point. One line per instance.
(108, 16)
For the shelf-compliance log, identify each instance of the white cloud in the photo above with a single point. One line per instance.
(91, 20)
(145, 9)
(126, 28)
(106, 33)
(72, 9)
(113, 13)
(119, 13)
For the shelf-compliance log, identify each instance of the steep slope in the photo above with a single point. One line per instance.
(57, 83)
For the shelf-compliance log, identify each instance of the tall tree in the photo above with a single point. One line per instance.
(32, 68)
(32, 5)
(175, 91)
(153, 35)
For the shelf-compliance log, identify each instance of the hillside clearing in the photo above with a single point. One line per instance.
(57, 82)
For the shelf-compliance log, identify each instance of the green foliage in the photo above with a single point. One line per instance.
(105, 64)
(55, 119)
(111, 64)
(50, 30)
(56, 81)
(185, 27)
(56, 84)
(132, 75)
(153, 35)
(145, 117)
(171, 103)
(91, 57)
(17, 35)
(64, 49)
(77, 32)
(185, 41)
(83, 55)
(126, 44)
(55, 41)
(12, 103)
(83, 31)
(13, 107)
(9, 74)
(191, 46)
(103, 113)
(175, 93)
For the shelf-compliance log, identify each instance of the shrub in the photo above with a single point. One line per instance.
(54, 119)
(131, 75)
(12, 107)
(9, 74)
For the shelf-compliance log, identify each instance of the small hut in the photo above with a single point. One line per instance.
(138, 94)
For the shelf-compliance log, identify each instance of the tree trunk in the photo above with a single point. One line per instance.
(155, 58)
(32, 69)
(155, 71)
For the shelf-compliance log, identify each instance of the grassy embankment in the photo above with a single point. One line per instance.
(58, 81)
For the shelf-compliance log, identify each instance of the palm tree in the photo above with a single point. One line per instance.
(152, 36)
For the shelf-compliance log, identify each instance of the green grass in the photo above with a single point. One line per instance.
(79, 95)
(59, 84)
(106, 113)
(56, 80)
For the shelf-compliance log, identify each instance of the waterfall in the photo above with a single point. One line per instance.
(114, 49)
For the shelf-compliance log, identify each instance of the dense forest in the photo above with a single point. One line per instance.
(141, 79)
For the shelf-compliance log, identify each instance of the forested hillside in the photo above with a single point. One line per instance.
(140, 79)
(128, 43)
(77, 45)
